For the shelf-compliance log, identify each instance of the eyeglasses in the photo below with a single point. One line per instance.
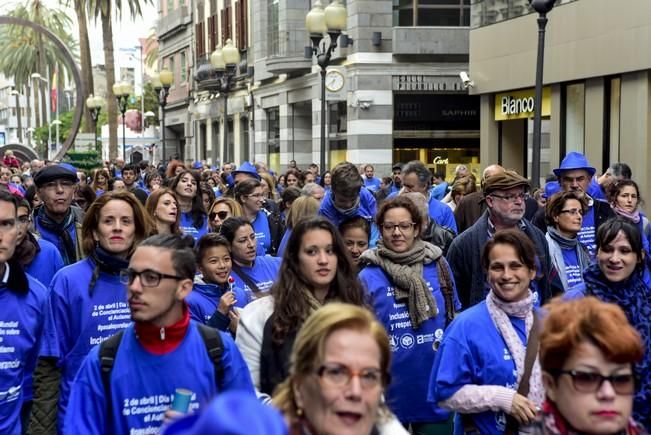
(148, 277)
(588, 382)
(402, 226)
(573, 212)
(340, 375)
(64, 184)
(511, 198)
(255, 195)
(221, 214)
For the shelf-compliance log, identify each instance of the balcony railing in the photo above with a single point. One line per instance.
(486, 12)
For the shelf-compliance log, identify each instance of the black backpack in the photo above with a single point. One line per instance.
(108, 349)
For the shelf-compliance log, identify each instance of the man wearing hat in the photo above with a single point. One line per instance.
(245, 171)
(57, 220)
(504, 193)
(575, 173)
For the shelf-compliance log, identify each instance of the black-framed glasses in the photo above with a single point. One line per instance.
(573, 212)
(148, 277)
(590, 382)
(221, 214)
(340, 375)
(402, 226)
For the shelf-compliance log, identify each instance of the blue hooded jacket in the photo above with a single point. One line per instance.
(366, 209)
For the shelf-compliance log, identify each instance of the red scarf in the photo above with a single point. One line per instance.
(160, 341)
(555, 424)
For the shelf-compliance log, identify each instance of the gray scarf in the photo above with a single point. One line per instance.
(405, 270)
(557, 243)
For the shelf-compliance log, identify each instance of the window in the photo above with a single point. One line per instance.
(431, 13)
(170, 6)
(226, 21)
(272, 28)
(241, 24)
(184, 72)
(172, 68)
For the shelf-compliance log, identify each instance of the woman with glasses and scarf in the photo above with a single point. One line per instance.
(588, 352)
(618, 276)
(564, 215)
(485, 370)
(222, 209)
(87, 302)
(248, 193)
(414, 297)
(194, 220)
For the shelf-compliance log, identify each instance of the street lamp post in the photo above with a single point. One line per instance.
(49, 111)
(55, 123)
(225, 61)
(542, 7)
(162, 82)
(94, 104)
(16, 94)
(319, 21)
(121, 91)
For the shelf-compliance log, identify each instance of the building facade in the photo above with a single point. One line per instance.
(402, 98)
(597, 83)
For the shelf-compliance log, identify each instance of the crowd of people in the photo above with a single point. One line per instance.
(190, 299)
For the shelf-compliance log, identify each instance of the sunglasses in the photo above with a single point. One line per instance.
(221, 214)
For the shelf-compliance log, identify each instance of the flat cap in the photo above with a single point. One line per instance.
(53, 173)
(503, 181)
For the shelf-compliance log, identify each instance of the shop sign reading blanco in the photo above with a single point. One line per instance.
(520, 104)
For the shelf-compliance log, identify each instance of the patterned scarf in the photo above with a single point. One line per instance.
(500, 312)
(557, 243)
(405, 270)
(551, 422)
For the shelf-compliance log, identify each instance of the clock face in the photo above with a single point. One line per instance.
(334, 81)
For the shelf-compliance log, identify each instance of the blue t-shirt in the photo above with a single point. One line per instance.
(439, 212)
(572, 268)
(283, 242)
(473, 352)
(143, 384)
(46, 263)
(439, 191)
(372, 184)
(413, 349)
(186, 225)
(77, 320)
(203, 300)
(21, 324)
(263, 274)
(262, 233)
(587, 235)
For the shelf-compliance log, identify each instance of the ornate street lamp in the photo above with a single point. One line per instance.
(94, 105)
(121, 91)
(225, 61)
(318, 22)
(542, 7)
(162, 82)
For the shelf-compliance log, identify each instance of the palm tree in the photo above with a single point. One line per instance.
(102, 9)
(151, 47)
(24, 51)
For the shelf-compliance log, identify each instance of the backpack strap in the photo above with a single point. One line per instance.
(447, 289)
(215, 347)
(108, 349)
(248, 281)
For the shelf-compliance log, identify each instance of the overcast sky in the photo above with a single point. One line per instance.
(125, 32)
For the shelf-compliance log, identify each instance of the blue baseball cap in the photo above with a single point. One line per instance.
(551, 188)
(572, 161)
(231, 413)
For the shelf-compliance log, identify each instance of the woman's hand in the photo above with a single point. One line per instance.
(226, 302)
(523, 409)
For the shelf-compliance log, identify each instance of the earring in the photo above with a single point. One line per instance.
(299, 411)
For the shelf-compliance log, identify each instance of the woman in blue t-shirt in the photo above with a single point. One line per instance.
(87, 302)
(480, 362)
(194, 220)
(564, 216)
(248, 193)
(413, 296)
(625, 200)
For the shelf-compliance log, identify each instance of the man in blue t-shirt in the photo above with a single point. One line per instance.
(22, 306)
(161, 353)
(371, 182)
